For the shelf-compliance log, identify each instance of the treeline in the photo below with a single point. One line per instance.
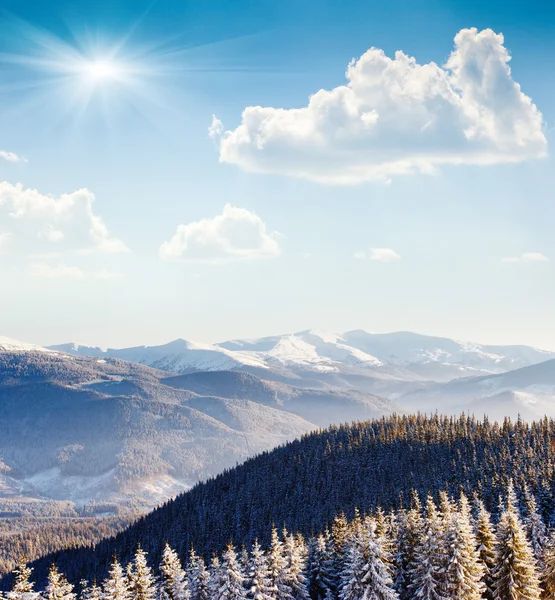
(439, 551)
(34, 538)
(302, 486)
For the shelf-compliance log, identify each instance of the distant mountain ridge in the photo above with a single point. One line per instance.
(403, 356)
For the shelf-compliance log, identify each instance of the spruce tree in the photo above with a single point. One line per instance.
(427, 568)
(143, 583)
(485, 541)
(464, 570)
(58, 587)
(319, 564)
(260, 584)
(90, 592)
(294, 551)
(230, 578)
(173, 581)
(23, 587)
(515, 574)
(198, 577)
(351, 586)
(548, 576)
(116, 586)
(277, 566)
(535, 527)
(376, 579)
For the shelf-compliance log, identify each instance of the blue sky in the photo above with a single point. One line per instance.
(469, 246)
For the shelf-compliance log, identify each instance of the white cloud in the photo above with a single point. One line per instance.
(395, 116)
(378, 255)
(38, 221)
(47, 271)
(11, 157)
(216, 128)
(527, 257)
(235, 234)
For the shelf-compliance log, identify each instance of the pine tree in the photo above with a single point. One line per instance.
(228, 584)
(116, 586)
(426, 570)
(143, 584)
(485, 540)
(319, 564)
(58, 587)
(198, 577)
(464, 571)
(515, 573)
(535, 527)
(277, 565)
(173, 583)
(409, 528)
(351, 586)
(260, 584)
(295, 551)
(23, 587)
(92, 592)
(548, 576)
(376, 579)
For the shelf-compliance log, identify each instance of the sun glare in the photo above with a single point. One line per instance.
(99, 70)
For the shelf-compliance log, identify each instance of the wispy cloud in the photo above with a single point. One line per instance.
(527, 257)
(11, 157)
(378, 255)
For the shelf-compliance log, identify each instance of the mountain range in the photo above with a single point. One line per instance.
(87, 428)
(86, 424)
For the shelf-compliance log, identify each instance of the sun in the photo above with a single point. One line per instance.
(101, 70)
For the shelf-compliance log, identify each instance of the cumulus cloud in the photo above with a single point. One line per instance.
(38, 222)
(378, 255)
(395, 116)
(235, 234)
(527, 257)
(11, 157)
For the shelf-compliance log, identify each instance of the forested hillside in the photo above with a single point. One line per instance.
(303, 485)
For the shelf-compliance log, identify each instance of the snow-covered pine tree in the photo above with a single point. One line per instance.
(464, 570)
(58, 587)
(515, 574)
(339, 544)
(228, 584)
(535, 527)
(485, 541)
(90, 592)
(376, 579)
(116, 586)
(294, 578)
(319, 565)
(143, 583)
(23, 587)
(351, 586)
(260, 584)
(409, 529)
(277, 565)
(198, 577)
(427, 569)
(548, 575)
(173, 580)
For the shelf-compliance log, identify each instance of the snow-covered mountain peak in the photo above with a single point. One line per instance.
(9, 345)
